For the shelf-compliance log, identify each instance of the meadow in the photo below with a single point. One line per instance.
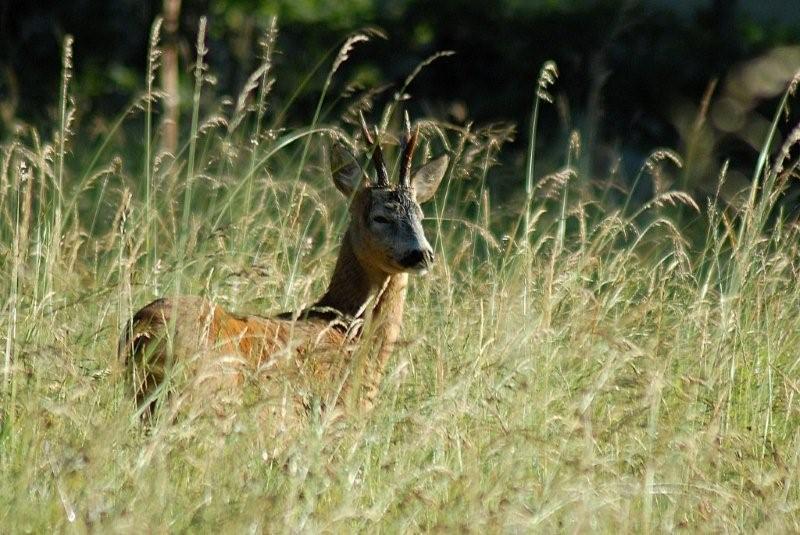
(575, 361)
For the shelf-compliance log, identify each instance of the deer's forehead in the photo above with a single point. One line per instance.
(393, 200)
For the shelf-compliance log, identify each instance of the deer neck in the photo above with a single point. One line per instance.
(382, 331)
(358, 290)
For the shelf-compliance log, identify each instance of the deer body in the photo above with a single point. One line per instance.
(319, 346)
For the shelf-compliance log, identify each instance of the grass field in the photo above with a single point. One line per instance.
(573, 362)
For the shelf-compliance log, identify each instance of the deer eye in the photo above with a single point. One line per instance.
(380, 219)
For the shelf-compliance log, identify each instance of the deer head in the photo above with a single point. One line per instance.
(386, 219)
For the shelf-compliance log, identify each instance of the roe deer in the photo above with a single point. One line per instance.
(384, 242)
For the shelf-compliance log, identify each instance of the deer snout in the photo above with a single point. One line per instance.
(418, 259)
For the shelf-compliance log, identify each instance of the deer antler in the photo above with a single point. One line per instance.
(377, 153)
(408, 153)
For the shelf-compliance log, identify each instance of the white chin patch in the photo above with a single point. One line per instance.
(420, 271)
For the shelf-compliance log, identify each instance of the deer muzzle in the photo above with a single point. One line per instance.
(419, 260)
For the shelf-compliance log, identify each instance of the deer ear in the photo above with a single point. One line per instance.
(426, 179)
(347, 174)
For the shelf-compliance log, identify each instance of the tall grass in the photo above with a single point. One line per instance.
(199, 78)
(600, 374)
(153, 58)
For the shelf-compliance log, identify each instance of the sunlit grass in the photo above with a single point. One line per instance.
(595, 372)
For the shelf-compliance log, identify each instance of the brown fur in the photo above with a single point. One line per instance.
(217, 348)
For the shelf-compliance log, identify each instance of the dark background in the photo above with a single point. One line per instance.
(632, 73)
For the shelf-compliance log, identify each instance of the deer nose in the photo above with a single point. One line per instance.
(418, 258)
